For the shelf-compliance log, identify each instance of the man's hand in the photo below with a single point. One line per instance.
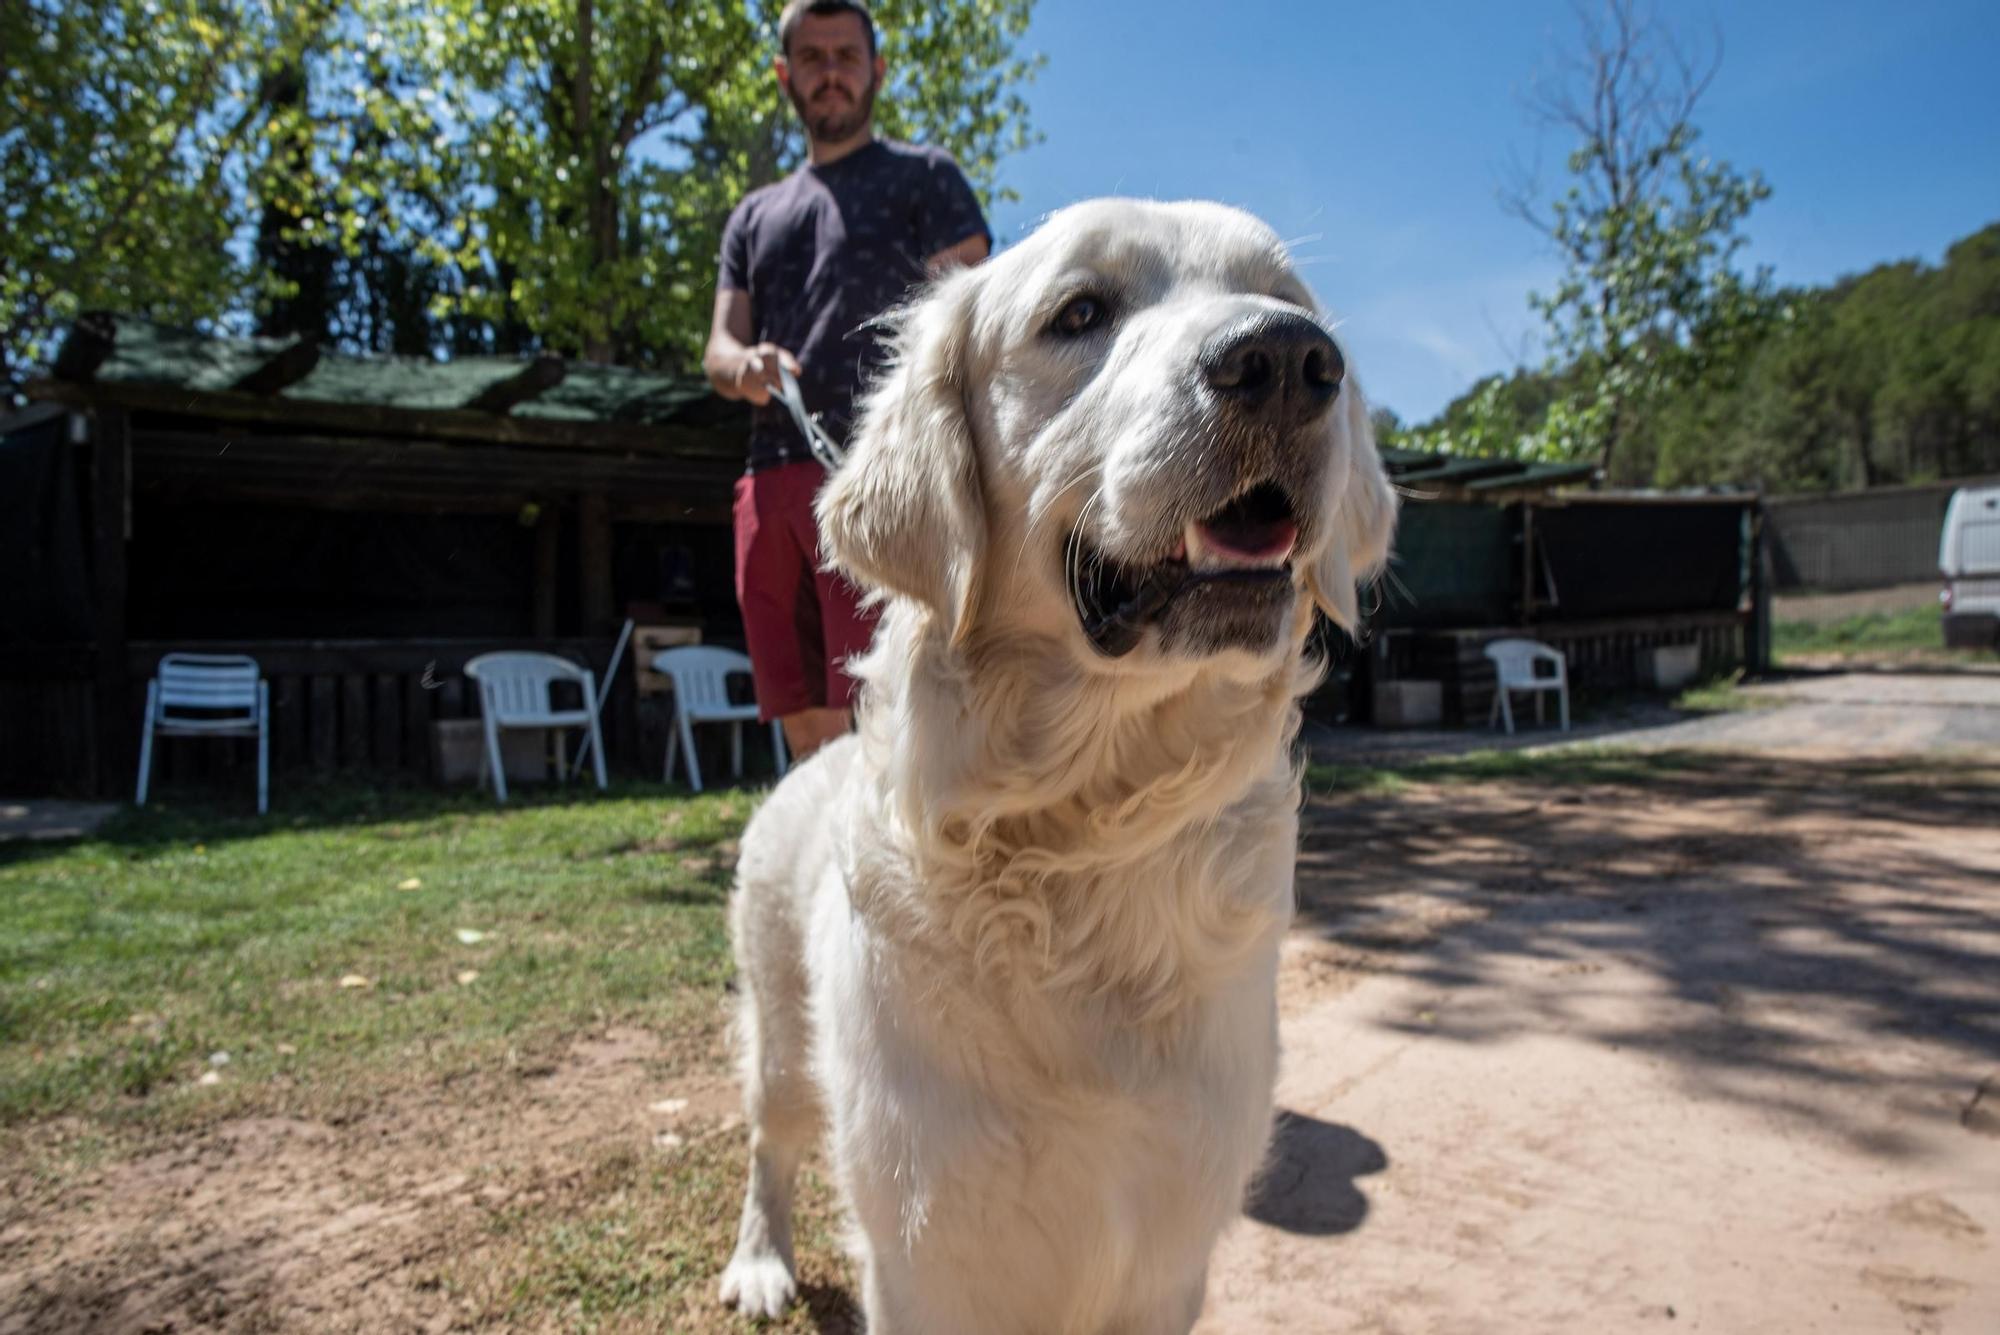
(756, 374)
(738, 368)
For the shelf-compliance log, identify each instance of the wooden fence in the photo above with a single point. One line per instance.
(1602, 655)
(357, 705)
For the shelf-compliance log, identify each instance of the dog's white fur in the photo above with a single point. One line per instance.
(1014, 946)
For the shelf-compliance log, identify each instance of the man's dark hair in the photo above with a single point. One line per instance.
(795, 10)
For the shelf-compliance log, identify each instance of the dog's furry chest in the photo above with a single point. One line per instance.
(1084, 1126)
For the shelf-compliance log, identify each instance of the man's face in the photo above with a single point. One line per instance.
(830, 76)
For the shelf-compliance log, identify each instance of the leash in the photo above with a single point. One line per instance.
(830, 455)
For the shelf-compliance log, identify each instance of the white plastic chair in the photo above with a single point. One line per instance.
(208, 695)
(700, 674)
(1516, 663)
(514, 692)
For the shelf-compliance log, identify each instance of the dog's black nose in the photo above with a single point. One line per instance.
(1279, 367)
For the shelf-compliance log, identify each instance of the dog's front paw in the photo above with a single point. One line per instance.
(758, 1285)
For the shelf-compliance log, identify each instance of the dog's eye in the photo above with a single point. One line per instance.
(1079, 316)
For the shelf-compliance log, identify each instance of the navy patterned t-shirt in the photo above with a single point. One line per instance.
(825, 251)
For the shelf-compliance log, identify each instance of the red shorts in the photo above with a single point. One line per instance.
(803, 623)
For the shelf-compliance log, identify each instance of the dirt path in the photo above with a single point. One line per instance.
(1726, 1058)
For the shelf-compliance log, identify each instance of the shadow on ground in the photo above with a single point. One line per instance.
(1771, 901)
(1310, 1180)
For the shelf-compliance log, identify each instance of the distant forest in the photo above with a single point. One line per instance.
(1884, 378)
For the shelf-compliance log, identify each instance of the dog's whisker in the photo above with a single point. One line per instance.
(1086, 475)
(1073, 549)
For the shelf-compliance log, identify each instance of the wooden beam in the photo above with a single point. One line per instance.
(48, 662)
(542, 374)
(593, 560)
(288, 367)
(548, 553)
(1527, 562)
(110, 508)
(451, 426)
(29, 417)
(328, 660)
(225, 451)
(709, 506)
(91, 339)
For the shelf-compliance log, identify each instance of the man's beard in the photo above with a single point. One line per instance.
(836, 120)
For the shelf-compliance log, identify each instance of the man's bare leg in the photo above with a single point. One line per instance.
(810, 729)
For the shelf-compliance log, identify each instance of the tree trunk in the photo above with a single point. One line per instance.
(594, 157)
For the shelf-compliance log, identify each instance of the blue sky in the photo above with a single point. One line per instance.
(1385, 131)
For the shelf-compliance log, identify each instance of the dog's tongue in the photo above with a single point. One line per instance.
(1248, 540)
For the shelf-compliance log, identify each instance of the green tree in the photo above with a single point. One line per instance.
(1501, 416)
(127, 131)
(1882, 378)
(591, 149)
(1647, 228)
(427, 175)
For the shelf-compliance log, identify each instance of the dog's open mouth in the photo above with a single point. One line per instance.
(1249, 541)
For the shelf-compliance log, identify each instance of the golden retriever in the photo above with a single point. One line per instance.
(1013, 946)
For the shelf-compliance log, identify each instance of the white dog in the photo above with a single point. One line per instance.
(1014, 946)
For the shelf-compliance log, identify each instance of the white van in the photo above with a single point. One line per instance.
(1969, 560)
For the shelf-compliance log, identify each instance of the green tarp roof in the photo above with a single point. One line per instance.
(1479, 473)
(154, 354)
(143, 352)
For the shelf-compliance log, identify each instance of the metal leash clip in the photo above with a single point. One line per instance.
(830, 455)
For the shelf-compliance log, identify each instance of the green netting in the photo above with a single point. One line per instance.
(1455, 564)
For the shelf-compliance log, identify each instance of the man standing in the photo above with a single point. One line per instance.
(807, 264)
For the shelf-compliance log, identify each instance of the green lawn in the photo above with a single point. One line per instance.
(355, 938)
(414, 975)
(1569, 765)
(1865, 633)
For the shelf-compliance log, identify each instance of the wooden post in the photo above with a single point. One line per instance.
(548, 552)
(323, 723)
(593, 559)
(111, 527)
(1757, 651)
(1527, 562)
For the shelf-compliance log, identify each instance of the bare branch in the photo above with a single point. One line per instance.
(650, 70)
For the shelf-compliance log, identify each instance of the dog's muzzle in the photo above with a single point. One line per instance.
(1246, 543)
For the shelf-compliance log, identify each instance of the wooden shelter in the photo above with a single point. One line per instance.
(360, 525)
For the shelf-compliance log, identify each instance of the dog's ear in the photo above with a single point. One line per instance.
(1364, 518)
(904, 513)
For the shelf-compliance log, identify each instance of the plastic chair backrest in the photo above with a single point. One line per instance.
(1514, 660)
(218, 684)
(700, 673)
(515, 684)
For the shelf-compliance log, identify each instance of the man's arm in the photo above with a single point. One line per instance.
(963, 255)
(736, 367)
